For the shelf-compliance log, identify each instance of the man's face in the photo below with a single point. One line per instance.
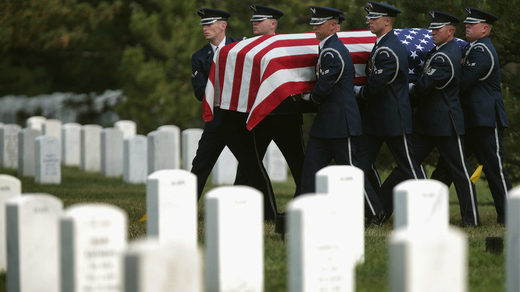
(376, 25)
(214, 30)
(325, 29)
(264, 27)
(475, 31)
(441, 35)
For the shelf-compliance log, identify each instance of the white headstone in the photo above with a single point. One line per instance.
(26, 151)
(135, 160)
(225, 168)
(319, 258)
(128, 128)
(513, 240)
(10, 187)
(32, 243)
(190, 143)
(422, 204)
(428, 260)
(234, 239)
(275, 164)
(176, 151)
(171, 206)
(161, 151)
(9, 145)
(70, 146)
(153, 266)
(347, 182)
(48, 167)
(112, 152)
(93, 238)
(52, 128)
(90, 146)
(35, 122)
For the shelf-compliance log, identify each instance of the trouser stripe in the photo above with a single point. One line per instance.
(469, 181)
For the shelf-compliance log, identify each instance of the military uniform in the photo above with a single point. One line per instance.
(283, 125)
(386, 114)
(438, 119)
(226, 129)
(484, 113)
(336, 130)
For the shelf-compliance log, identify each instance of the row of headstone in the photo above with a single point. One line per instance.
(425, 254)
(94, 149)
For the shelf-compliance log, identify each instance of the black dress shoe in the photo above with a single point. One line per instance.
(280, 223)
(377, 220)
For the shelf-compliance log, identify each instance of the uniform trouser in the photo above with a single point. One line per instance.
(241, 144)
(451, 150)
(286, 132)
(486, 144)
(321, 151)
(404, 156)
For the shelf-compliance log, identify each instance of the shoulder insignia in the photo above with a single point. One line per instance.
(328, 53)
(378, 71)
(384, 52)
(324, 72)
(439, 57)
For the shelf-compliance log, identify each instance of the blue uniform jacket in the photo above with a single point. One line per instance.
(201, 64)
(338, 113)
(387, 110)
(439, 112)
(481, 96)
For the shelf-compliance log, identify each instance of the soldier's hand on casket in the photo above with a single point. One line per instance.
(306, 96)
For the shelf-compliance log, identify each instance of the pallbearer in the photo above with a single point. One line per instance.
(336, 130)
(438, 120)
(228, 128)
(386, 114)
(484, 112)
(284, 124)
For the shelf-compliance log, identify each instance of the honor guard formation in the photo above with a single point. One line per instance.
(455, 105)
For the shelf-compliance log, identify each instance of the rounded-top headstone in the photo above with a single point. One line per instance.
(318, 259)
(128, 128)
(93, 238)
(32, 242)
(35, 122)
(9, 145)
(171, 206)
(428, 260)
(190, 144)
(162, 267)
(513, 240)
(421, 204)
(70, 150)
(48, 169)
(234, 239)
(10, 187)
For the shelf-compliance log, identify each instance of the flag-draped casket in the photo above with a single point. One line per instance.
(255, 75)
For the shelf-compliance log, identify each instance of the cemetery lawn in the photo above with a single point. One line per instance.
(486, 271)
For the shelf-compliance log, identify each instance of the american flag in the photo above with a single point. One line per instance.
(255, 75)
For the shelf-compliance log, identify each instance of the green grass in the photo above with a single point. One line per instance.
(486, 270)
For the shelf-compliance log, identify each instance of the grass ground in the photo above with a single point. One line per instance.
(486, 270)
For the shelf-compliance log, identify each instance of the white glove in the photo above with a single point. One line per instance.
(306, 96)
(357, 89)
(410, 86)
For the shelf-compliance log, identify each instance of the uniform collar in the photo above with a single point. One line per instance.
(440, 46)
(322, 43)
(222, 43)
(380, 38)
